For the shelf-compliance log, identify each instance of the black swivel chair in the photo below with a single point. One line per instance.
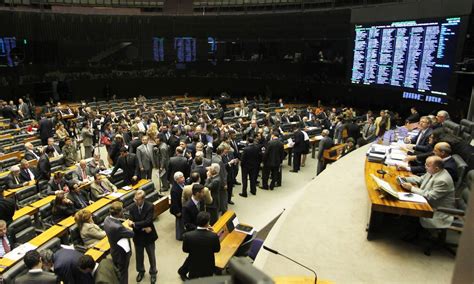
(27, 195)
(14, 272)
(21, 230)
(461, 168)
(100, 215)
(127, 199)
(151, 194)
(467, 130)
(46, 216)
(451, 127)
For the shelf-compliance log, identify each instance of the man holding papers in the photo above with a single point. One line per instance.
(438, 188)
(118, 236)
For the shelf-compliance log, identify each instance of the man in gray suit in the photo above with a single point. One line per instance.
(35, 273)
(87, 136)
(146, 160)
(221, 151)
(162, 157)
(324, 144)
(438, 188)
(214, 184)
(119, 236)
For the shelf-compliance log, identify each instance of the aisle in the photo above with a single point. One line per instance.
(257, 210)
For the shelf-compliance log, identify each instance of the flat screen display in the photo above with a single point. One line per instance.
(416, 56)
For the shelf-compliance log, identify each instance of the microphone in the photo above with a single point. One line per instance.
(276, 252)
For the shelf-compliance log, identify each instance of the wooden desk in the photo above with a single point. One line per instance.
(161, 205)
(47, 235)
(229, 245)
(334, 153)
(42, 202)
(27, 210)
(96, 254)
(230, 241)
(380, 203)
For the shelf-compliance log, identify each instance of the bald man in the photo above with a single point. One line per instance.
(438, 188)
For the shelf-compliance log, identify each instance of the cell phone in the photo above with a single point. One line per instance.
(401, 180)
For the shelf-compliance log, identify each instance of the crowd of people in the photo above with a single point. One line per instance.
(197, 153)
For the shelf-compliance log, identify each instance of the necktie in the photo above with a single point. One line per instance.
(139, 210)
(30, 173)
(83, 203)
(16, 180)
(6, 247)
(84, 176)
(104, 188)
(419, 137)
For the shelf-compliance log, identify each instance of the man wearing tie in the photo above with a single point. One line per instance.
(118, 236)
(141, 216)
(57, 151)
(78, 197)
(30, 153)
(5, 246)
(13, 180)
(176, 206)
(128, 162)
(420, 142)
(80, 175)
(101, 187)
(27, 173)
(201, 244)
(146, 159)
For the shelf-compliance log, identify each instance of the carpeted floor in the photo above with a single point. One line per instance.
(325, 230)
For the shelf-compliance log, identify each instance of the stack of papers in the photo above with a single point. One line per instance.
(377, 153)
(403, 196)
(19, 252)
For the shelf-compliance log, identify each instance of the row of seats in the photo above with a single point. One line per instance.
(27, 227)
(465, 129)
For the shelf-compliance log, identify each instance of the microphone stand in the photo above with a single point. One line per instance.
(276, 252)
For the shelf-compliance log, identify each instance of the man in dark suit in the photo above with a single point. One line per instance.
(7, 209)
(176, 206)
(420, 143)
(324, 144)
(298, 149)
(13, 180)
(250, 165)
(65, 262)
(27, 173)
(78, 197)
(141, 216)
(193, 207)
(352, 129)
(178, 163)
(30, 152)
(35, 273)
(198, 167)
(134, 144)
(44, 166)
(414, 116)
(173, 141)
(118, 236)
(56, 150)
(45, 129)
(201, 244)
(213, 182)
(190, 212)
(128, 162)
(272, 159)
(103, 272)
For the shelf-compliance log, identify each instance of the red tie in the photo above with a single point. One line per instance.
(84, 176)
(6, 247)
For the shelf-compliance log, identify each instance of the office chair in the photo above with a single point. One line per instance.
(451, 127)
(26, 195)
(15, 271)
(75, 238)
(467, 130)
(46, 216)
(127, 199)
(54, 244)
(22, 230)
(461, 167)
(461, 205)
(151, 194)
(100, 215)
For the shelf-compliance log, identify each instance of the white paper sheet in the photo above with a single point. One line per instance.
(20, 251)
(123, 243)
